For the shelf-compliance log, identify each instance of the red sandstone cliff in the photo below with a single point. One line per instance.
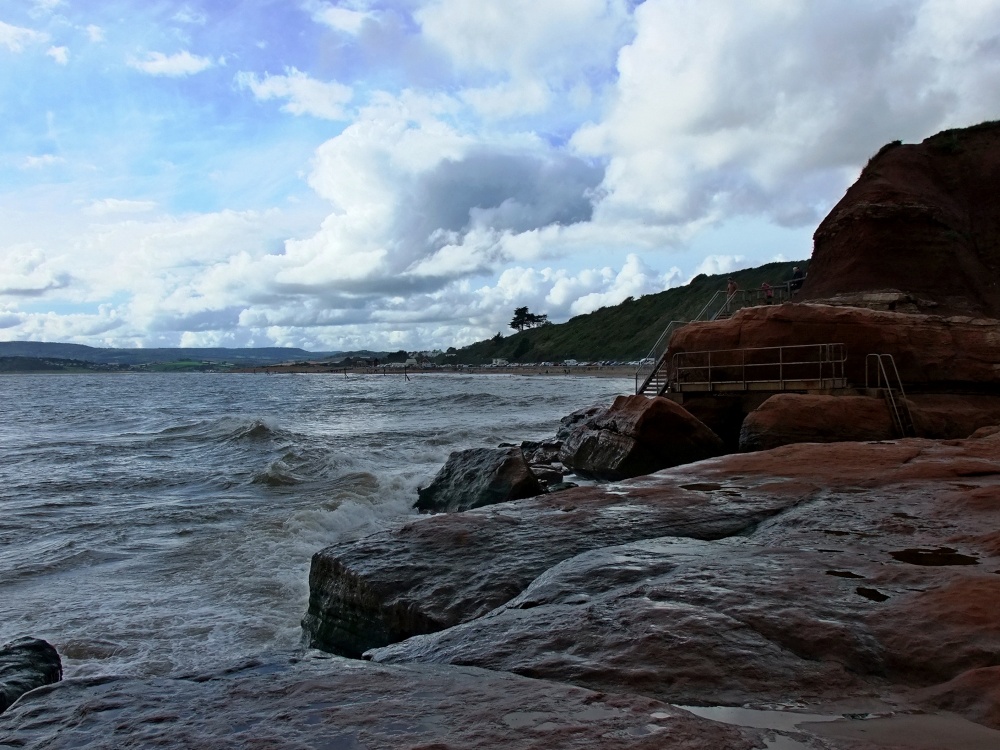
(923, 220)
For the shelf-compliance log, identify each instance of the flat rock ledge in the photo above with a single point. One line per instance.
(438, 571)
(807, 575)
(337, 704)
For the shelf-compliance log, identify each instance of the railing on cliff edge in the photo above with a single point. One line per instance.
(770, 368)
(652, 373)
(898, 408)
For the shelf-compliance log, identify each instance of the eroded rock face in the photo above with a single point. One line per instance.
(637, 435)
(921, 219)
(336, 703)
(25, 664)
(788, 418)
(477, 477)
(880, 580)
(931, 353)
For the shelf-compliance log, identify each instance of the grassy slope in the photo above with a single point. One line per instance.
(624, 332)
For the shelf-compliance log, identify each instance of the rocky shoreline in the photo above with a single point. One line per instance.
(792, 571)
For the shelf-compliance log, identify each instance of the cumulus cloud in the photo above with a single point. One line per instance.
(304, 95)
(337, 17)
(59, 54)
(16, 38)
(723, 109)
(27, 272)
(713, 265)
(560, 39)
(489, 155)
(179, 64)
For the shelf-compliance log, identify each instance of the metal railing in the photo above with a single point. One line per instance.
(652, 371)
(649, 366)
(898, 408)
(777, 368)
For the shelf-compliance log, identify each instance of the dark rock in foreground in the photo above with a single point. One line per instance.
(25, 664)
(477, 477)
(635, 436)
(338, 704)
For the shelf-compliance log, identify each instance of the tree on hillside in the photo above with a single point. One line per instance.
(524, 319)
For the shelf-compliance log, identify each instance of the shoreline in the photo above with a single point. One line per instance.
(598, 371)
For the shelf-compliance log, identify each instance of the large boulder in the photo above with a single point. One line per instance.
(477, 477)
(931, 353)
(788, 418)
(637, 435)
(923, 220)
(25, 664)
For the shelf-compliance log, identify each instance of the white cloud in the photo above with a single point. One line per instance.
(176, 65)
(556, 38)
(15, 38)
(305, 95)
(716, 264)
(107, 206)
(509, 99)
(728, 109)
(95, 33)
(346, 20)
(40, 162)
(59, 54)
(28, 272)
(633, 280)
(47, 6)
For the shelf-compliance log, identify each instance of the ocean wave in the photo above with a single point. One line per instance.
(254, 430)
(277, 474)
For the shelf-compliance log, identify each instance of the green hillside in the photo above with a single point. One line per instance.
(624, 332)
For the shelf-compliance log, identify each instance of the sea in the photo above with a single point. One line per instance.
(163, 524)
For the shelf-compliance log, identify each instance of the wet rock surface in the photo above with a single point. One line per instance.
(25, 664)
(476, 477)
(879, 579)
(337, 704)
(441, 570)
(637, 435)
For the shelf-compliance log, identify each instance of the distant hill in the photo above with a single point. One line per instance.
(624, 332)
(134, 357)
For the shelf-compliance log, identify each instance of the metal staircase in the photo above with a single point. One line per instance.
(652, 375)
(892, 390)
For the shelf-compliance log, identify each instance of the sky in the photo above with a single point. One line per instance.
(402, 174)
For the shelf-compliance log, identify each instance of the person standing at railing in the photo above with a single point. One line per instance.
(731, 288)
(768, 293)
(797, 278)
